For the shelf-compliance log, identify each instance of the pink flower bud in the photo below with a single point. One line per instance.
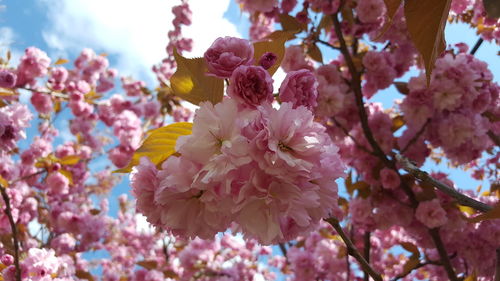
(251, 85)
(267, 60)
(7, 259)
(299, 88)
(226, 54)
(7, 79)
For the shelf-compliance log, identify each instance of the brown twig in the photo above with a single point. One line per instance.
(352, 251)
(494, 138)
(366, 252)
(419, 265)
(346, 132)
(283, 249)
(434, 232)
(356, 87)
(327, 44)
(497, 269)
(416, 136)
(476, 46)
(13, 226)
(424, 177)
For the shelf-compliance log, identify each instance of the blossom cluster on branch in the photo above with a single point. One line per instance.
(314, 167)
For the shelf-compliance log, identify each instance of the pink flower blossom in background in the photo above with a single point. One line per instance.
(431, 214)
(258, 5)
(7, 79)
(300, 89)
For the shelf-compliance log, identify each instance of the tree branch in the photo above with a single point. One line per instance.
(434, 232)
(352, 251)
(356, 87)
(497, 270)
(476, 46)
(346, 132)
(419, 265)
(417, 136)
(8, 212)
(366, 252)
(283, 249)
(424, 177)
(494, 138)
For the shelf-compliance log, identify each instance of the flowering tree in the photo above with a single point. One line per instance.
(260, 161)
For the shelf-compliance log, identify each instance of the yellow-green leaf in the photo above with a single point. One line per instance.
(472, 276)
(67, 174)
(315, 53)
(7, 92)
(397, 122)
(402, 87)
(3, 182)
(148, 264)
(69, 160)
(466, 209)
(275, 45)
(326, 23)
(360, 186)
(426, 20)
(289, 23)
(411, 248)
(159, 145)
(191, 82)
(492, 8)
(490, 215)
(410, 265)
(392, 7)
(84, 275)
(61, 61)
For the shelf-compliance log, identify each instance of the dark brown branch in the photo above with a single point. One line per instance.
(356, 87)
(416, 137)
(283, 249)
(424, 177)
(327, 44)
(494, 138)
(352, 251)
(434, 232)
(8, 212)
(497, 270)
(419, 265)
(346, 132)
(476, 46)
(366, 252)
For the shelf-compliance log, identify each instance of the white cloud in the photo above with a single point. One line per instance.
(7, 38)
(135, 31)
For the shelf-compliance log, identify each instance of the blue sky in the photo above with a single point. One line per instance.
(134, 35)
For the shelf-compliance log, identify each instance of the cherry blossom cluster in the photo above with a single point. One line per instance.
(182, 17)
(457, 102)
(270, 170)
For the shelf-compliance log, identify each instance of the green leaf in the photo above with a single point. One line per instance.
(159, 145)
(426, 20)
(191, 82)
(275, 45)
